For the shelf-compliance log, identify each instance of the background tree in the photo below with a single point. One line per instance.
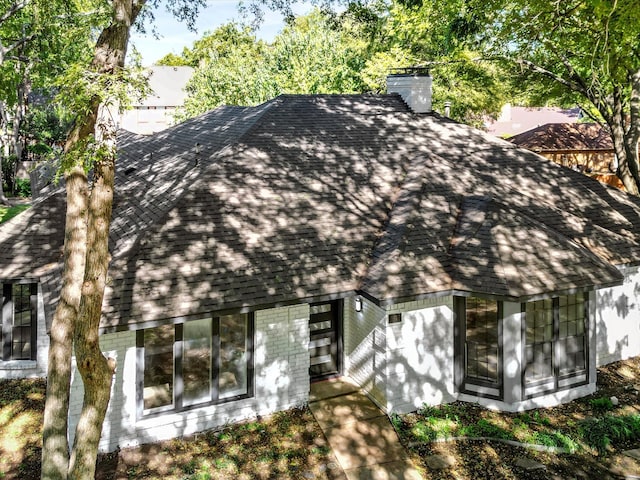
(444, 37)
(350, 52)
(313, 54)
(231, 68)
(577, 51)
(35, 48)
(318, 53)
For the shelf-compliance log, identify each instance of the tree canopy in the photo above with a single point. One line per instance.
(576, 51)
(350, 52)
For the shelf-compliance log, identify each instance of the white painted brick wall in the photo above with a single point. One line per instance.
(420, 355)
(363, 363)
(281, 379)
(618, 319)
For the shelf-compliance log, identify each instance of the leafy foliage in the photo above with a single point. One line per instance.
(601, 433)
(601, 405)
(313, 54)
(348, 53)
(575, 51)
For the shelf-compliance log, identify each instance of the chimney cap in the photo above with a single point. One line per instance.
(404, 71)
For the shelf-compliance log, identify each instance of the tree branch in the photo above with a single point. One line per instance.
(549, 74)
(16, 7)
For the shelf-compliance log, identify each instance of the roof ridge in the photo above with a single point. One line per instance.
(262, 109)
(402, 208)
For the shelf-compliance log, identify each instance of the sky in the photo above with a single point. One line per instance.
(174, 36)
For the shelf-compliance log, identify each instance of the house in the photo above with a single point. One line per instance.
(167, 93)
(516, 119)
(258, 249)
(586, 147)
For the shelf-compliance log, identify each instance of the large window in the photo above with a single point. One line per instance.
(556, 341)
(19, 320)
(197, 362)
(481, 340)
(478, 346)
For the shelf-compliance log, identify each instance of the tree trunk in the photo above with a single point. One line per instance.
(83, 321)
(95, 369)
(627, 158)
(55, 446)
(4, 137)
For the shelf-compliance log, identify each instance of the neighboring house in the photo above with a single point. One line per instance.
(514, 120)
(258, 249)
(586, 147)
(156, 112)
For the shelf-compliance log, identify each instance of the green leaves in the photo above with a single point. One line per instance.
(312, 55)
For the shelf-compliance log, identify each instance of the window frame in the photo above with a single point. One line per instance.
(7, 321)
(178, 404)
(463, 380)
(557, 378)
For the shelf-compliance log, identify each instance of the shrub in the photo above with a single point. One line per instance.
(23, 187)
(601, 433)
(601, 405)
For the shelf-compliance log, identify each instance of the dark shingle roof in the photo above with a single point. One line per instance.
(564, 136)
(309, 197)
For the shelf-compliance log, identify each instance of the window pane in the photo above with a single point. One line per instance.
(158, 366)
(571, 344)
(481, 343)
(233, 355)
(539, 346)
(22, 322)
(196, 361)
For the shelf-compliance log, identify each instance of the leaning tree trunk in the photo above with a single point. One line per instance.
(55, 446)
(83, 323)
(97, 371)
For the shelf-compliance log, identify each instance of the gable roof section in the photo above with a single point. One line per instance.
(313, 197)
(564, 136)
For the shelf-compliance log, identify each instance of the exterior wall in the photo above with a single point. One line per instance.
(364, 348)
(420, 355)
(618, 319)
(281, 381)
(402, 365)
(145, 120)
(596, 161)
(31, 368)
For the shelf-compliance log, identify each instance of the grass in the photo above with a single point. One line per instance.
(7, 213)
(465, 420)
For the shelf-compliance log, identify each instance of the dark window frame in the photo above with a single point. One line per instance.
(557, 377)
(7, 321)
(178, 383)
(460, 363)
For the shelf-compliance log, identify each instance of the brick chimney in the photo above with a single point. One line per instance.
(414, 86)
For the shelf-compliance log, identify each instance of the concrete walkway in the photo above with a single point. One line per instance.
(359, 433)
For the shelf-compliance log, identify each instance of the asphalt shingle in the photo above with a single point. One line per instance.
(309, 197)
